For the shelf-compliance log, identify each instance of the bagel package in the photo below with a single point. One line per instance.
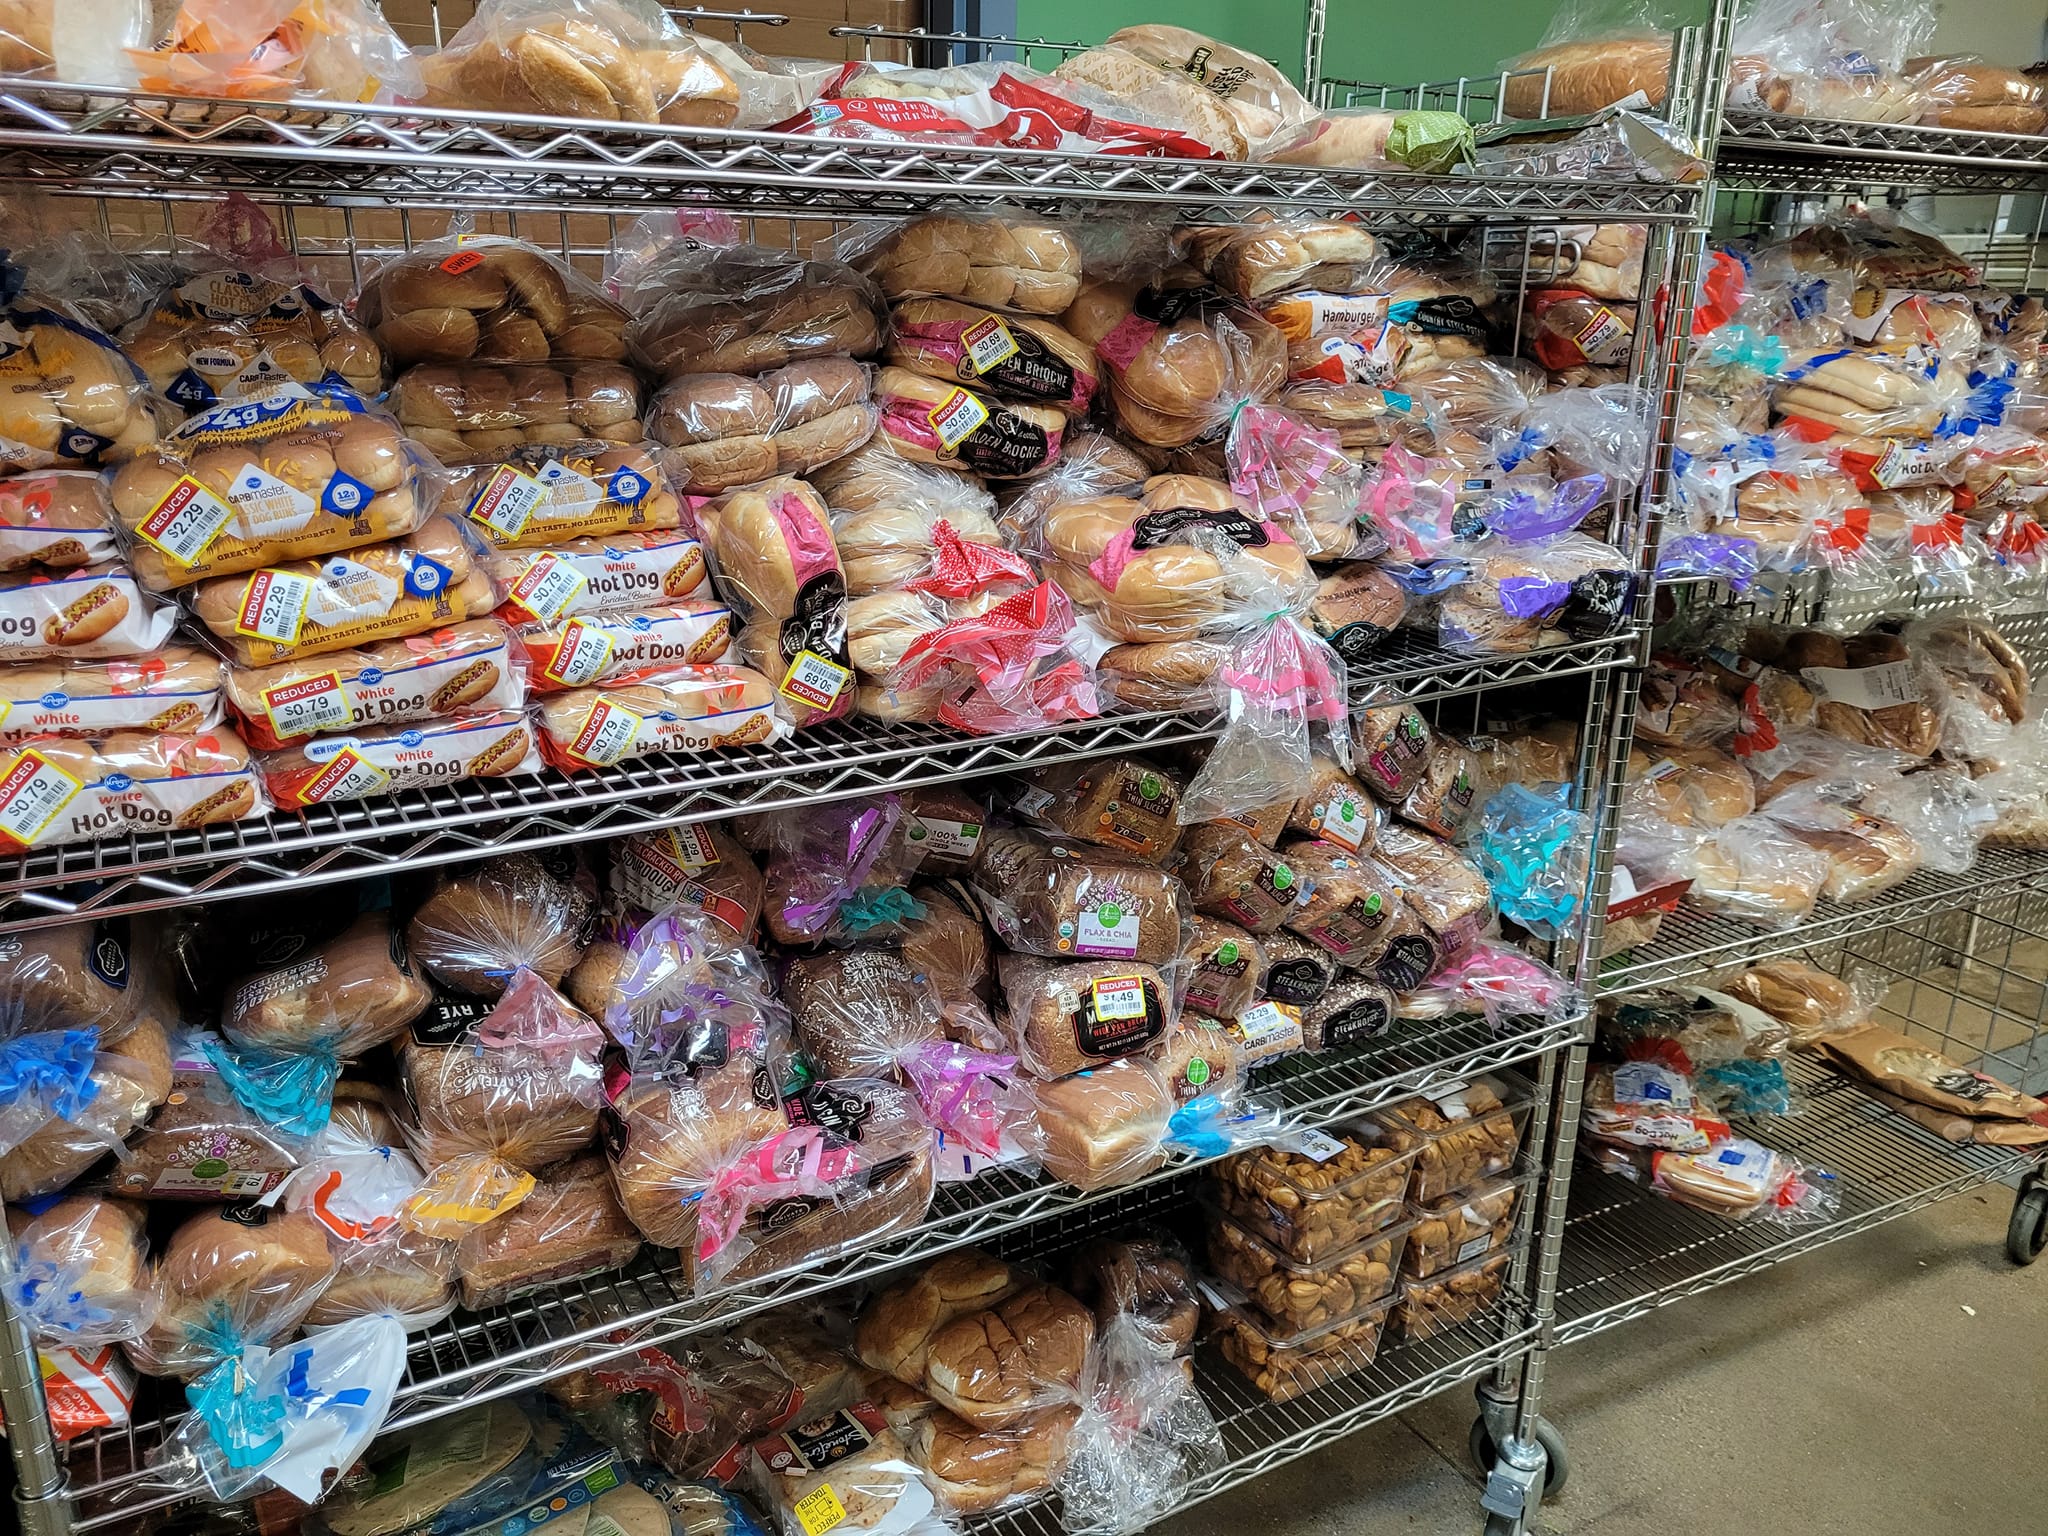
(55, 790)
(930, 421)
(748, 309)
(176, 689)
(1001, 264)
(58, 520)
(485, 299)
(231, 334)
(774, 560)
(543, 494)
(93, 611)
(69, 396)
(387, 760)
(426, 581)
(669, 709)
(1012, 357)
(615, 574)
(290, 475)
(471, 668)
(611, 647)
(470, 413)
(718, 430)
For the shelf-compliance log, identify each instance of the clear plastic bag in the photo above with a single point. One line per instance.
(1015, 667)
(746, 309)
(1104, 1126)
(57, 520)
(1945, 811)
(1143, 1436)
(1298, 477)
(1866, 854)
(229, 1279)
(1287, 696)
(130, 1081)
(941, 422)
(833, 870)
(1000, 263)
(1841, 59)
(1752, 868)
(486, 923)
(472, 298)
(524, 495)
(569, 1226)
(1054, 900)
(850, 1459)
(1736, 1178)
(1534, 849)
(75, 400)
(278, 50)
(1176, 369)
(686, 709)
(77, 1273)
(1812, 1003)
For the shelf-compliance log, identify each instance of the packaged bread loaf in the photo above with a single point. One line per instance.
(470, 668)
(1176, 370)
(130, 1080)
(932, 421)
(719, 430)
(56, 790)
(1204, 1061)
(484, 299)
(950, 819)
(1126, 803)
(227, 1279)
(615, 574)
(470, 413)
(72, 976)
(1145, 1276)
(853, 1455)
(708, 708)
(1970, 94)
(290, 475)
(1869, 689)
(1230, 874)
(569, 1226)
(747, 309)
(1002, 355)
(80, 1272)
(1356, 911)
(178, 690)
(775, 562)
(857, 1012)
(1053, 899)
(1227, 967)
(426, 581)
(1811, 1002)
(214, 1139)
(1441, 884)
(490, 920)
(57, 520)
(1390, 746)
(1164, 94)
(1568, 79)
(386, 760)
(974, 1469)
(1263, 258)
(1161, 566)
(1163, 674)
(886, 510)
(90, 611)
(1264, 103)
(348, 995)
(1357, 608)
(1104, 1126)
(546, 494)
(1001, 264)
(1351, 1009)
(72, 397)
(1066, 1015)
(598, 648)
(697, 867)
(230, 334)
(1335, 809)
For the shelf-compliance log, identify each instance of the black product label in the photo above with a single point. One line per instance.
(778, 1216)
(1368, 911)
(247, 1214)
(818, 622)
(1448, 314)
(107, 954)
(1357, 642)
(765, 1093)
(1460, 792)
(1408, 962)
(832, 1108)
(1410, 736)
(451, 1019)
(1296, 981)
(1167, 305)
(1005, 444)
(1119, 1015)
(706, 1045)
(1366, 1019)
(273, 947)
(1170, 525)
(1595, 605)
(821, 1442)
(1033, 372)
(1466, 522)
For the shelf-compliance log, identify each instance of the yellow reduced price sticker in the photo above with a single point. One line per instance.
(1119, 997)
(819, 1510)
(957, 418)
(814, 680)
(988, 344)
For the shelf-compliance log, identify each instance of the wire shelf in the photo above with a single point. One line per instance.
(124, 144)
(1794, 154)
(1694, 943)
(475, 1357)
(1628, 1252)
(444, 824)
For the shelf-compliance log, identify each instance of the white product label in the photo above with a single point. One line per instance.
(1744, 1162)
(1345, 311)
(1343, 820)
(1449, 1098)
(1647, 1084)
(507, 502)
(1901, 465)
(308, 706)
(32, 794)
(349, 591)
(1472, 1247)
(1866, 327)
(1621, 885)
(547, 586)
(1663, 769)
(349, 776)
(948, 839)
(570, 495)
(608, 731)
(186, 521)
(692, 847)
(1118, 997)
(814, 680)
(267, 507)
(1034, 801)
(1108, 930)
(1316, 1146)
(274, 606)
(580, 656)
(1269, 1026)
(1604, 339)
(957, 418)
(228, 1183)
(988, 344)
(1879, 687)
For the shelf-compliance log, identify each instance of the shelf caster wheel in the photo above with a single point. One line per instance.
(1501, 1525)
(1557, 1467)
(2026, 1234)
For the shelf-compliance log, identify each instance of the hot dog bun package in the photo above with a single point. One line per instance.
(774, 560)
(293, 474)
(54, 790)
(176, 689)
(391, 758)
(542, 494)
(618, 573)
(58, 520)
(611, 647)
(69, 396)
(666, 709)
(427, 580)
(720, 430)
(89, 612)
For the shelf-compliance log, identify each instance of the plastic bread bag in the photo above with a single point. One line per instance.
(470, 413)
(1947, 814)
(289, 475)
(1845, 59)
(1059, 900)
(1737, 1179)
(861, 1012)
(57, 520)
(1986, 682)
(230, 1277)
(278, 50)
(1286, 694)
(496, 1092)
(1503, 983)
(622, 61)
(850, 1458)
(177, 689)
(746, 309)
(395, 758)
(487, 922)
(1005, 263)
(345, 993)
(1016, 667)
(1267, 107)
(1810, 1002)
(618, 574)
(125, 1083)
(428, 580)
(95, 975)
(1684, 705)
(55, 791)
(1011, 357)
(1300, 478)
(1143, 1436)
(1342, 338)
(1442, 884)
(929, 421)
(594, 649)
(543, 494)
(76, 1272)
(472, 668)
(719, 430)
(886, 510)
(1357, 912)
(1533, 849)
(1411, 502)
(1754, 869)
(1364, 416)
(1863, 394)
(470, 298)
(1129, 804)
(74, 398)
(1177, 364)
(773, 558)
(839, 868)
(666, 709)
(1262, 258)
(85, 613)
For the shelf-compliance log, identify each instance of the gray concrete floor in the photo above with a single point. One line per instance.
(1893, 1384)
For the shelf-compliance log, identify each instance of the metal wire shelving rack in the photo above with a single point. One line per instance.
(350, 184)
